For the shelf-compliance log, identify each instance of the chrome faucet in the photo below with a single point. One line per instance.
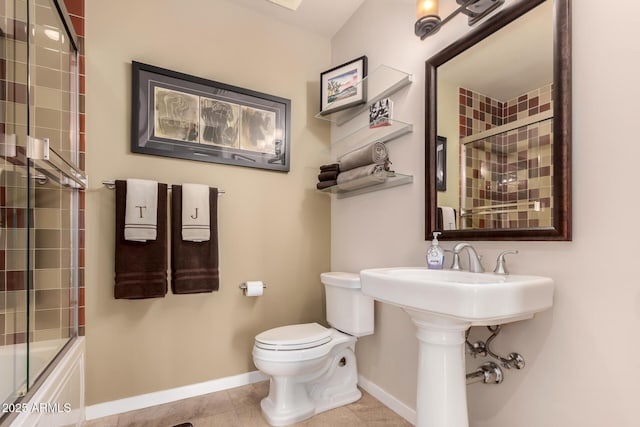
(474, 260)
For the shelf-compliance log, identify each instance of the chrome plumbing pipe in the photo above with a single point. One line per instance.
(488, 373)
(481, 348)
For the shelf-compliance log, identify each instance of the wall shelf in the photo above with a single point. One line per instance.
(381, 83)
(368, 184)
(365, 135)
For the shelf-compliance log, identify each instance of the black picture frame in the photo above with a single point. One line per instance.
(182, 116)
(343, 86)
(441, 163)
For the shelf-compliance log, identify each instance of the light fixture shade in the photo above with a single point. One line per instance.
(426, 8)
(427, 19)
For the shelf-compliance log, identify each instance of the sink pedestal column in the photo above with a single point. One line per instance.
(442, 388)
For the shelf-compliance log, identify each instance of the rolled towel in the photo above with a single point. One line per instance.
(351, 179)
(375, 152)
(141, 212)
(326, 184)
(328, 176)
(195, 213)
(331, 167)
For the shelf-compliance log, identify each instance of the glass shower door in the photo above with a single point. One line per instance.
(53, 124)
(39, 185)
(15, 218)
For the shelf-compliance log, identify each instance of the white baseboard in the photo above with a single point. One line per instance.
(166, 396)
(388, 400)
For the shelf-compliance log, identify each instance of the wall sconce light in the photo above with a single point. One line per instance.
(428, 21)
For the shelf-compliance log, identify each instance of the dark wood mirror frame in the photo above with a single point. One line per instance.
(561, 229)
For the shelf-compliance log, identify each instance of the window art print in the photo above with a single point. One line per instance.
(219, 123)
(258, 130)
(177, 115)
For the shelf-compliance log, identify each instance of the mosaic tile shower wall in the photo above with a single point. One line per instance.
(43, 208)
(507, 177)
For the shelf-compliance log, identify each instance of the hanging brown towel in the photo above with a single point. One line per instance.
(141, 267)
(194, 265)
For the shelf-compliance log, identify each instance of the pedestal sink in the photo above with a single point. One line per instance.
(443, 304)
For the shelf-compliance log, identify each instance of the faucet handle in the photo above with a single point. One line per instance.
(455, 261)
(501, 267)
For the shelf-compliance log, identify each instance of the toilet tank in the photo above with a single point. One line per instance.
(348, 309)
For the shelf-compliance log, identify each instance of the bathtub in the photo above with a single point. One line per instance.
(56, 399)
(13, 365)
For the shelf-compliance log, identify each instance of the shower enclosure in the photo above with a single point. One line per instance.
(40, 185)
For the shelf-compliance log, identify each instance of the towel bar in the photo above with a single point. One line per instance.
(111, 185)
(45, 158)
(503, 208)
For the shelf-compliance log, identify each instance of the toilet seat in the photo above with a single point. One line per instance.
(293, 337)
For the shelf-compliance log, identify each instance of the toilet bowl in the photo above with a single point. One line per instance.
(311, 378)
(313, 368)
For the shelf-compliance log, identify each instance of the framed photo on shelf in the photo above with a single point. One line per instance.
(182, 116)
(343, 86)
(441, 163)
(381, 113)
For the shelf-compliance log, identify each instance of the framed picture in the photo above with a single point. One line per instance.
(381, 113)
(343, 86)
(441, 163)
(187, 117)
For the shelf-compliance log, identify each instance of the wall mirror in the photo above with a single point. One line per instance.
(498, 134)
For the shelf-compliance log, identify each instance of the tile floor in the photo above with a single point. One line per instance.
(240, 407)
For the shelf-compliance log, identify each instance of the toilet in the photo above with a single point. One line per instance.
(312, 368)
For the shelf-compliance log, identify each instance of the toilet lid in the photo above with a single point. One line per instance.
(294, 337)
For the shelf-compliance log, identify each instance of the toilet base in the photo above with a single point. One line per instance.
(290, 402)
(283, 417)
(277, 417)
(337, 401)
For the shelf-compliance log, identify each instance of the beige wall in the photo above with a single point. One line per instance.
(273, 226)
(582, 364)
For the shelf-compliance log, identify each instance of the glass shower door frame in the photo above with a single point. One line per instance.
(48, 165)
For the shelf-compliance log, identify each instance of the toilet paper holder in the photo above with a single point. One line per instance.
(244, 285)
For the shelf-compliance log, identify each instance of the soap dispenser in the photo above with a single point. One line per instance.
(435, 254)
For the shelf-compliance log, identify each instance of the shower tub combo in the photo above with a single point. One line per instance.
(41, 212)
(59, 399)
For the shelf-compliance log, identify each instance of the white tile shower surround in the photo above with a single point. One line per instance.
(240, 407)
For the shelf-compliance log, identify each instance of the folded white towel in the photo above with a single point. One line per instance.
(448, 218)
(195, 213)
(141, 212)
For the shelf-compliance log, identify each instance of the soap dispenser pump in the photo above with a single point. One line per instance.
(435, 254)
